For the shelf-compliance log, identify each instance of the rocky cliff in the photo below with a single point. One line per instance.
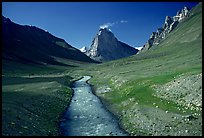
(169, 24)
(106, 47)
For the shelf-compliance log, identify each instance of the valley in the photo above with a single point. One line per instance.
(157, 92)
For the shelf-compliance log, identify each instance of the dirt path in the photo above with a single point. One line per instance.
(86, 115)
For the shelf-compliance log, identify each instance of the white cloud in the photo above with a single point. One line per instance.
(107, 25)
(123, 21)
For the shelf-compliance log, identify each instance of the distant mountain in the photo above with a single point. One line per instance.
(139, 48)
(169, 24)
(32, 45)
(83, 49)
(106, 47)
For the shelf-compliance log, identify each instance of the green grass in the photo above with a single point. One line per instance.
(33, 106)
(142, 92)
(16, 69)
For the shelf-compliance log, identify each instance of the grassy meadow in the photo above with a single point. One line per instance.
(34, 98)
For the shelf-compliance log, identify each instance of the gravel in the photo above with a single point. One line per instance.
(185, 91)
(146, 120)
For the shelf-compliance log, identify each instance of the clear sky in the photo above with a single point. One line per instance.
(78, 22)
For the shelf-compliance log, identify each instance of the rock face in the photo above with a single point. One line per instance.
(106, 47)
(169, 24)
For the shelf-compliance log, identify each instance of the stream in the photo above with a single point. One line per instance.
(87, 116)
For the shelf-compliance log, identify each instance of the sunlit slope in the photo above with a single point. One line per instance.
(157, 92)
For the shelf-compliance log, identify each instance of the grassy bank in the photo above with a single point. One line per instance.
(33, 100)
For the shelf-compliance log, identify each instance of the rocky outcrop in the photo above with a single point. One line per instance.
(106, 47)
(169, 24)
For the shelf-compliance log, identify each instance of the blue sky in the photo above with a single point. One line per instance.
(78, 22)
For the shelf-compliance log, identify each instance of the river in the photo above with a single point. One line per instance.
(87, 116)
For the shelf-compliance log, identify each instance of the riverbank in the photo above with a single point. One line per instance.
(31, 105)
(145, 114)
(108, 107)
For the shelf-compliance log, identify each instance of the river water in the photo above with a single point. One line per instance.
(87, 116)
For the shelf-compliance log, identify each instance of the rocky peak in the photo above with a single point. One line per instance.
(152, 35)
(186, 10)
(169, 24)
(104, 30)
(105, 47)
(181, 14)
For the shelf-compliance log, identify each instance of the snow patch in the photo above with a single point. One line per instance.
(139, 48)
(83, 49)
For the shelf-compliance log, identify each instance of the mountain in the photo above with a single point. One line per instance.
(169, 24)
(106, 47)
(32, 45)
(83, 49)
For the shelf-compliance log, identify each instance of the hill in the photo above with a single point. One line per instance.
(32, 45)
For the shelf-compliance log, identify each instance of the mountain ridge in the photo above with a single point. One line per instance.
(32, 45)
(168, 26)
